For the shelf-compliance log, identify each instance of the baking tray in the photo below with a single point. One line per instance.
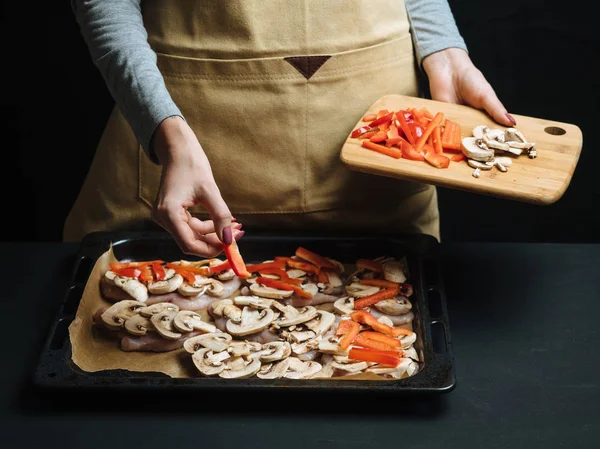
(56, 371)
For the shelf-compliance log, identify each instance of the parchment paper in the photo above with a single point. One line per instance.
(93, 350)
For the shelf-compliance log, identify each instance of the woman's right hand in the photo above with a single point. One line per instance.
(187, 181)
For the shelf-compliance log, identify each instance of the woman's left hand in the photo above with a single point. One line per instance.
(454, 79)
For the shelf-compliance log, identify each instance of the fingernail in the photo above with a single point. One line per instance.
(239, 235)
(227, 239)
(511, 119)
(236, 226)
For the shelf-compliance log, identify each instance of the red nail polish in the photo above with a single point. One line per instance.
(511, 119)
(227, 238)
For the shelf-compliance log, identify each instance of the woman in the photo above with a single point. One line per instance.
(242, 106)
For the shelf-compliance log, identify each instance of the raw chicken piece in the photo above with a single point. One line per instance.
(153, 342)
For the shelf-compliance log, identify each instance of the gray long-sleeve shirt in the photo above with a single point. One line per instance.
(118, 43)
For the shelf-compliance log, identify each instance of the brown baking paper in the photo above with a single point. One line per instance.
(93, 350)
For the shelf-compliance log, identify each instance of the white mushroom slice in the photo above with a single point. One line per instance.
(189, 321)
(334, 279)
(300, 336)
(295, 273)
(492, 143)
(135, 289)
(298, 369)
(200, 263)
(215, 288)
(310, 288)
(386, 320)
(116, 315)
(110, 277)
(138, 325)
(305, 347)
(227, 309)
(209, 362)
(238, 368)
(338, 265)
(394, 306)
(199, 287)
(359, 290)
(247, 349)
(269, 292)
(480, 165)
(407, 340)
(293, 316)
(274, 370)
(148, 311)
(269, 276)
(411, 353)
(406, 368)
(476, 173)
(322, 322)
(393, 271)
(226, 275)
(493, 134)
(500, 167)
(479, 131)
(504, 160)
(344, 306)
(521, 145)
(163, 322)
(532, 154)
(275, 350)
(216, 342)
(514, 135)
(350, 366)
(167, 285)
(331, 345)
(253, 301)
(472, 150)
(251, 321)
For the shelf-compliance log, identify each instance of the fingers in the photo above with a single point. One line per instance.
(207, 226)
(494, 107)
(220, 215)
(213, 240)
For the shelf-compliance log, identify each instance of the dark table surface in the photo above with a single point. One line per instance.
(523, 319)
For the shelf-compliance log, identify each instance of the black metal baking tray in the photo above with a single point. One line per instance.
(56, 371)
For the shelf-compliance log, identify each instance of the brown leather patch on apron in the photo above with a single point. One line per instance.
(307, 65)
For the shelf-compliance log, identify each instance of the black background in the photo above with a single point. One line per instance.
(540, 56)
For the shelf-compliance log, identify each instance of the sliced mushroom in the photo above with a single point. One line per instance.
(350, 366)
(394, 306)
(148, 311)
(209, 362)
(479, 131)
(359, 290)
(251, 321)
(521, 145)
(227, 309)
(305, 346)
(298, 369)
(344, 306)
(294, 273)
(480, 165)
(253, 301)
(188, 321)
(274, 370)
(494, 134)
(310, 288)
(411, 353)
(275, 350)
(490, 142)
(298, 336)
(168, 285)
(135, 289)
(216, 342)
(239, 368)
(138, 325)
(244, 348)
(472, 150)
(322, 322)
(226, 275)
(408, 340)
(406, 368)
(163, 322)
(293, 316)
(199, 287)
(331, 345)
(394, 271)
(269, 292)
(504, 160)
(116, 315)
(514, 135)
(339, 266)
(386, 320)
(476, 173)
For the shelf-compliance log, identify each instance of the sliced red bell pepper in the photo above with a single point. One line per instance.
(365, 342)
(128, 272)
(345, 326)
(427, 132)
(219, 268)
(284, 260)
(364, 317)
(323, 277)
(236, 261)
(371, 355)
(184, 272)
(349, 334)
(146, 273)
(457, 157)
(368, 301)
(437, 160)
(437, 140)
(409, 152)
(386, 339)
(369, 264)
(159, 271)
(369, 134)
(369, 117)
(392, 132)
(397, 154)
(405, 128)
(118, 265)
(282, 275)
(383, 119)
(380, 283)
(401, 331)
(380, 136)
(394, 141)
(280, 285)
(360, 131)
(382, 112)
(304, 266)
(451, 137)
(314, 258)
(255, 267)
(425, 113)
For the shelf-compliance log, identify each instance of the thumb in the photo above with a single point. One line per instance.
(220, 214)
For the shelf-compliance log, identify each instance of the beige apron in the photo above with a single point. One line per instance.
(271, 88)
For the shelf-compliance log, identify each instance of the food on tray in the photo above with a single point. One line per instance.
(485, 149)
(298, 317)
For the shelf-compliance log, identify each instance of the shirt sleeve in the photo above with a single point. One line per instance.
(433, 27)
(118, 43)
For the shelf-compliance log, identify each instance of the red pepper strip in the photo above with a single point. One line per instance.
(385, 126)
(369, 134)
(400, 331)
(219, 268)
(284, 259)
(202, 271)
(378, 336)
(146, 273)
(364, 317)
(394, 141)
(437, 160)
(304, 266)
(280, 285)
(432, 125)
(253, 268)
(416, 130)
(236, 261)
(417, 115)
(371, 355)
(457, 157)
(382, 119)
(359, 131)
(186, 272)
(376, 297)
(314, 258)
(380, 283)
(451, 138)
(365, 342)
(128, 272)
(159, 271)
(437, 141)
(345, 326)
(380, 136)
(369, 117)
(425, 113)
(282, 275)
(118, 265)
(392, 133)
(397, 154)
(323, 277)
(369, 265)
(349, 336)
(382, 112)
(409, 152)
(405, 128)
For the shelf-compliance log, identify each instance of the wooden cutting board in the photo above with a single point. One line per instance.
(542, 180)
